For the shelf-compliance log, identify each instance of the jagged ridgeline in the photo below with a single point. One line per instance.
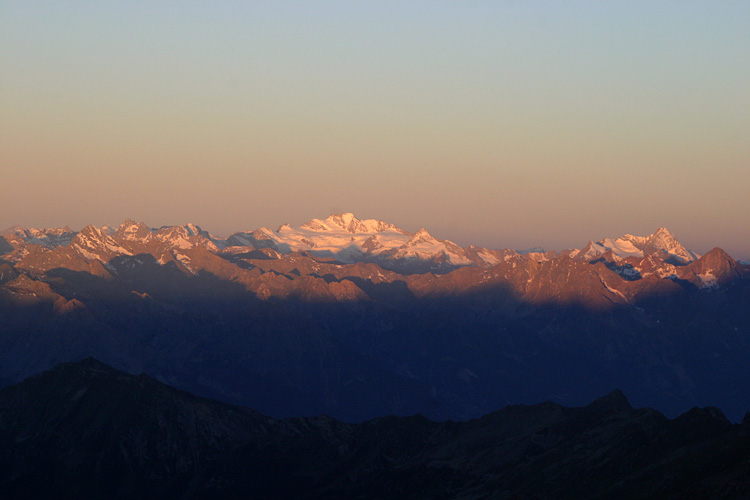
(359, 318)
(84, 430)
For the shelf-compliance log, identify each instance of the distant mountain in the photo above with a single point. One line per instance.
(661, 243)
(49, 238)
(358, 318)
(349, 240)
(86, 431)
(342, 237)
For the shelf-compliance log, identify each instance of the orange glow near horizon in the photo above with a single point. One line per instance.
(494, 124)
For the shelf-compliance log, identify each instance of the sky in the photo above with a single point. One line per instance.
(506, 124)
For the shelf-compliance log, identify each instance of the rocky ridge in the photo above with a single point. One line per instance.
(331, 246)
(292, 330)
(84, 430)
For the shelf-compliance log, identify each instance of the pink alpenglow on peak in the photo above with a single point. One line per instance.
(660, 242)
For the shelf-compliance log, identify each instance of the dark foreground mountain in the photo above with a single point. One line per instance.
(84, 430)
(359, 319)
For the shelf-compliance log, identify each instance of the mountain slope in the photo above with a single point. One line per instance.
(85, 430)
(294, 332)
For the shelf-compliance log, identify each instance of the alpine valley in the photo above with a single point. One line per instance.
(359, 318)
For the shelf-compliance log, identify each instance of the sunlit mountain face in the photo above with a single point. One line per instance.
(359, 318)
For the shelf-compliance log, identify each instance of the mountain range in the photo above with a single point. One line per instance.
(86, 431)
(359, 318)
(342, 237)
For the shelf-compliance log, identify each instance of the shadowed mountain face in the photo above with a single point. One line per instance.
(85, 430)
(348, 323)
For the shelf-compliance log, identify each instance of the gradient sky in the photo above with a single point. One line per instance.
(498, 123)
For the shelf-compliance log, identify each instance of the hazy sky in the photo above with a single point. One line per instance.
(504, 124)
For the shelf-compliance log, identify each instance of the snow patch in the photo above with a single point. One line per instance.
(708, 280)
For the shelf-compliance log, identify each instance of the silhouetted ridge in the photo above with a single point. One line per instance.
(746, 424)
(91, 363)
(709, 415)
(109, 434)
(614, 401)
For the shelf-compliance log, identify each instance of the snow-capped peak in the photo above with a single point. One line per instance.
(91, 233)
(188, 229)
(628, 245)
(662, 241)
(91, 242)
(421, 236)
(344, 220)
(348, 222)
(131, 230)
(186, 236)
(422, 245)
(350, 239)
(48, 237)
(193, 229)
(342, 235)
